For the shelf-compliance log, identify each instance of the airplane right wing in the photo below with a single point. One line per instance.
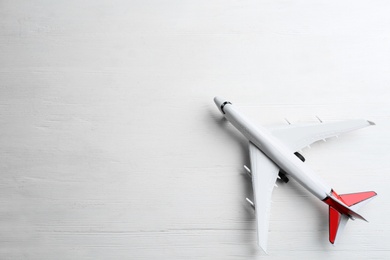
(264, 174)
(301, 135)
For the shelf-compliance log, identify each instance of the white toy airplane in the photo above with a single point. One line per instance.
(273, 154)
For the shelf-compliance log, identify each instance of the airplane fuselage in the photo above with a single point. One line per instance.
(275, 150)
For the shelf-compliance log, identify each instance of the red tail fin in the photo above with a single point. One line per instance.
(341, 208)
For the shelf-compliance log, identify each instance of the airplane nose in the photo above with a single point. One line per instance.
(220, 102)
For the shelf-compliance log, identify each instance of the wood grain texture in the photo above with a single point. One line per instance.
(111, 146)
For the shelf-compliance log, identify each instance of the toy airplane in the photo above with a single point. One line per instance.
(273, 154)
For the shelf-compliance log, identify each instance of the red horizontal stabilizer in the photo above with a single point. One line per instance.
(354, 198)
(334, 221)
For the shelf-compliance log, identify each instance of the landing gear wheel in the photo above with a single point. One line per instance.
(283, 177)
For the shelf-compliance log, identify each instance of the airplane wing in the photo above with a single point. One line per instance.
(264, 174)
(299, 136)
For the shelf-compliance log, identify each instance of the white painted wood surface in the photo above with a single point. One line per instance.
(111, 146)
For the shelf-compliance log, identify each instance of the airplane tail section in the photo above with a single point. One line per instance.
(342, 208)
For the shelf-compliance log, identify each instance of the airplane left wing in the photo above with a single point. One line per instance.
(299, 136)
(264, 174)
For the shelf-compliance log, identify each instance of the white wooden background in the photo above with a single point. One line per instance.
(111, 146)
